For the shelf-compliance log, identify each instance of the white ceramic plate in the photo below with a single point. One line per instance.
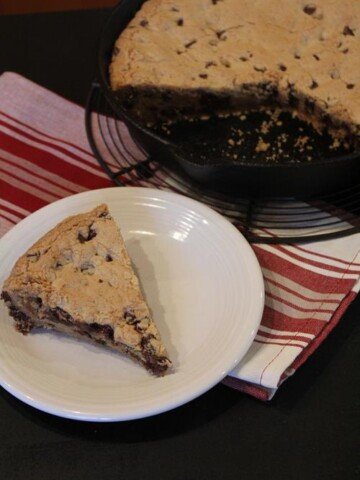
(204, 287)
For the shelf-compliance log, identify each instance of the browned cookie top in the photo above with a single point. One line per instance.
(224, 44)
(81, 267)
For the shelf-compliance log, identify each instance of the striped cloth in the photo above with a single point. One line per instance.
(45, 156)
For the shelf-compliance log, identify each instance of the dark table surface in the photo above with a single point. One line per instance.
(310, 430)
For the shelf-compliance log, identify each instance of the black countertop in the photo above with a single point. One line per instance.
(311, 430)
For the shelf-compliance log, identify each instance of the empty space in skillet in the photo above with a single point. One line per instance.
(258, 136)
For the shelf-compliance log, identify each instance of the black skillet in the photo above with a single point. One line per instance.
(203, 151)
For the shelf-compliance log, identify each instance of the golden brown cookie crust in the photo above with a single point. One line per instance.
(308, 52)
(79, 277)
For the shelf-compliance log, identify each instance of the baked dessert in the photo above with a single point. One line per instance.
(78, 279)
(194, 57)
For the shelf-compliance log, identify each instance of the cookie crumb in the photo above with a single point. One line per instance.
(301, 142)
(265, 126)
(336, 144)
(262, 146)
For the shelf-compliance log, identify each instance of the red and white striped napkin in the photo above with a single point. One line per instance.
(45, 156)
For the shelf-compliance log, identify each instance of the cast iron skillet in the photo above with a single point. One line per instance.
(239, 177)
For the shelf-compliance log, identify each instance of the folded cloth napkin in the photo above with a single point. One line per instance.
(45, 156)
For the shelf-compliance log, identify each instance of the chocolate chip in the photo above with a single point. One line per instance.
(105, 215)
(259, 68)
(214, 2)
(95, 326)
(129, 316)
(190, 44)
(203, 75)
(350, 86)
(108, 258)
(316, 57)
(348, 31)
(34, 257)
(38, 301)
(109, 332)
(17, 314)
(162, 361)
(144, 23)
(225, 62)
(313, 85)
(180, 22)
(221, 35)
(105, 330)
(90, 235)
(101, 281)
(81, 238)
(210, 64)
(282, 67)
(23, 322)
(309, 9)
(345, 50)
(139, 328)
(5, 296)
(87, 267)
(157, 365)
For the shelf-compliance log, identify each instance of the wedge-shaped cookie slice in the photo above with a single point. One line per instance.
(78, 279)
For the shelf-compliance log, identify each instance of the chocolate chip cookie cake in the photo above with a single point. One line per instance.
(191, 57)
(78, 279)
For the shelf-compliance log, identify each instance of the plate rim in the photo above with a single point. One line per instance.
(115, 417)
